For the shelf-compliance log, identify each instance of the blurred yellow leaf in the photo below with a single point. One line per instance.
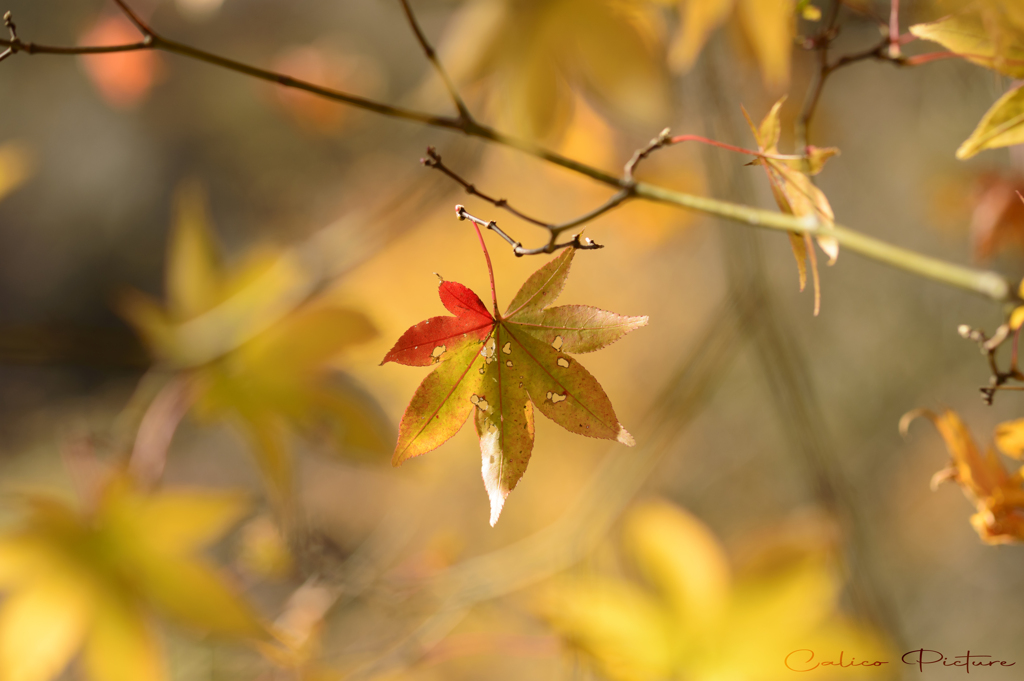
(796, 194)
(987, 32)
(263, 552)
(211, 312)
(93, 579)
(696, 624)
(16, 166)
(538, 53)
(698, 18)
(997, 494)
(1001, 126)
(809, 12)
(625, 629)
(1010, 438)
(254, 354)
(678, 554)
(769, 26)
(814, 160)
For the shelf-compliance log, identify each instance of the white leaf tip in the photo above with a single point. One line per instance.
(625, 438)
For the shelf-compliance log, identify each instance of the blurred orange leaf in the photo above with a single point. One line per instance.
(997, 218)
(315, 64)
(16, 166)
(123, 79)
(997, 494)
(1010, 438)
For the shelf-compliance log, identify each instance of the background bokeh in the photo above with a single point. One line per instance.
(109, 145)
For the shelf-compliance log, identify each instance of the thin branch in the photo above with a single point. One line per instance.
(664, 139)
(153, 439)
(431, 55)
(584, 243)
(433, 160)
(886, 50)
(821, 44)
(989, 346)
(985, 283)
(15, 46)
(144, 28)
(613, 202)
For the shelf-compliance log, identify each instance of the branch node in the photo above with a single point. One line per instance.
(9, 23)
(988, 346)
(663, 139)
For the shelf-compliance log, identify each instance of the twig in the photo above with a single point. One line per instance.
(144, 29)
(9, 23)
(985, 283)
(989, 346)
(664, 139)
(433, 160)
(886, 50)
(431, 55)
(165, 412)
(584, 244)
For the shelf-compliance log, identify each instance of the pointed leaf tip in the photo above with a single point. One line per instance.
(432, 341)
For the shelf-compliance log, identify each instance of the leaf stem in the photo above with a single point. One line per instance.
(461, 212)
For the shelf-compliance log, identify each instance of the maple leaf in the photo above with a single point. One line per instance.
(501, 367)
(271, 369)
(987, 32)
(1001, 126)
(94, 579)
(998, 495)
(797, 195)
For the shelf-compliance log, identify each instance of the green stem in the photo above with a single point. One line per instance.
(982, 282)
(986, 283)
